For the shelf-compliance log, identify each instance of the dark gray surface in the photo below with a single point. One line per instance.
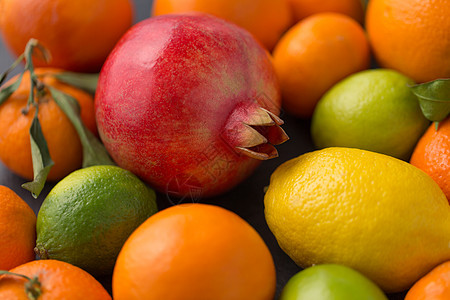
(246, 200)
(6, 58)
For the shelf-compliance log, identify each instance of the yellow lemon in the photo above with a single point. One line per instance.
(374, 213)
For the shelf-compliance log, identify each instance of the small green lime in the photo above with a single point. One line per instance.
(88, 216)
(372, 110)
(331, 282)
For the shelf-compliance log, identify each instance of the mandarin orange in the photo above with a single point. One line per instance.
(194, 252)
(62, 139)
(433, 286)
(266, 19)
(306, 8)
(57, 279)
(17, 230)
(411, 36)
(79, 34)
(314, 55)
(432, 155)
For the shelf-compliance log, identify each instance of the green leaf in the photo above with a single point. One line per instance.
(94, 153)
(42, 162)
(6, 92)
(11, 68)
(434, 99)
(86, 82)
(29, 52)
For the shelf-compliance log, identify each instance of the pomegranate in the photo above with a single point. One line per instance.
(189, 103)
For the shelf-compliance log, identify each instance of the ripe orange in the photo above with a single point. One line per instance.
(62, 139)
(432, 155)
(266, 19)
(314, 55)
(306, 8)
(434, 286)
(194, 252)
(79, 34)
(411, 36)
(59, 280)
(17, 230)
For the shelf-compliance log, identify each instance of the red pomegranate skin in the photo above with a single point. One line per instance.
(172, 99)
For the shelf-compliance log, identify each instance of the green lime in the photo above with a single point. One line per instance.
(371, 110)
(331, 282)
(88, 216)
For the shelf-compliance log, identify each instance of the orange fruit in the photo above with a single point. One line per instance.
(306, 8)
(17, 230)
(433, 286)
(265, 19)
(59, 280)
(62, 139)
(79, 34)
(411, 36)
(194, 252)
(314, 55)
(432, 155)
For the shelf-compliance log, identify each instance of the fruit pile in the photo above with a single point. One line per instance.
(132, 125)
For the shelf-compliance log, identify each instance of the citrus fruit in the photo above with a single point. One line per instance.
(87, 217)
(62, 139)
(55, 280)
(194, 252)
(17, 230)
(433, 286)
(303, 57)
(331, 282)
(411, 36)
(432, 155)
(265, 19)
(79, 34)
(374, 213)
(371, 110)
(306, 8)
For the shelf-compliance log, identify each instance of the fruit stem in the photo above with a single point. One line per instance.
(41, 252)
(32, 286)
(94, 152)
